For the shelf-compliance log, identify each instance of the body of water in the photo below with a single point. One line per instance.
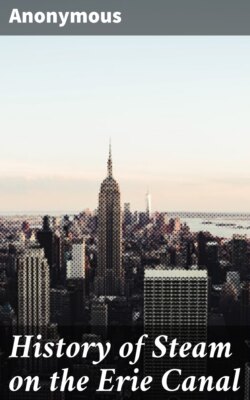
(221, 226)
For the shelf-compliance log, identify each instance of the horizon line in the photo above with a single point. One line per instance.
(75, 212)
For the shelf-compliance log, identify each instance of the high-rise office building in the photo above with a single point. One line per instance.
(239, 254)
(148, 204)
(33, 316)
(175, 297)
(109, 275)
(76, 266)
(202, 240)
(76, 280)
(50, 242)
(127, 216)
(233, 278)
(175, 304)
(245, 304)
(33, 290)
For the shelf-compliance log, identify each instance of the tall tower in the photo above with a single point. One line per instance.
(245, 305)
(76, 266)
(175, 304)
(239, 254)
(33, 290)
(109, 277)
(148, 204)
(50, 242)
(175, 298)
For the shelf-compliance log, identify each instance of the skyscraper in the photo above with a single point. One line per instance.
(50, 242)
(212, 261)
(76, 266)
(148, 207)
(175, 304)
(239, 254)
(33, 290)
(127, 216)
(245, 304)
(109, 275)
(76, 280)
(175, 297)
(148, 203)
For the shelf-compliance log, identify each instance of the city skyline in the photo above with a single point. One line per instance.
(176, 109)
(108, 250)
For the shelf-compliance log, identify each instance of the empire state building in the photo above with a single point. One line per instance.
(109, 277)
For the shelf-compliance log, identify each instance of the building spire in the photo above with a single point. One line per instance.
(110, 161)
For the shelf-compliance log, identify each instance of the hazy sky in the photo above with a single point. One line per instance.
(176, 108)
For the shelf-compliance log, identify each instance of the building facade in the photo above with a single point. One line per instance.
(33, 276)
(109, 275)
(175, 304)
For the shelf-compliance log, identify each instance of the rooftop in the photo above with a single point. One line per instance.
(174, 273)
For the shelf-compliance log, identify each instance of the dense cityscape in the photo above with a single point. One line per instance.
(117, 267)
